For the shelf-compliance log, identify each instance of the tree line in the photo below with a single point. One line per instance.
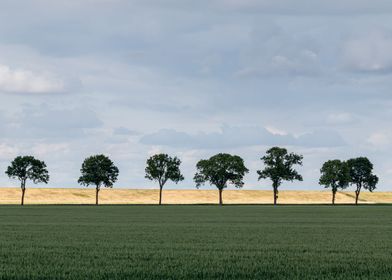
(220, 170)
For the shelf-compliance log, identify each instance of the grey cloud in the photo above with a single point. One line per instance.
(3, 123)
(233, 137)
(123, 131)
(321, 138)
(341, 119)
(188, 64)
(44, 122)
(260, 6)
(369, 52)
(304, 63)
(303, 7)
(273, 51)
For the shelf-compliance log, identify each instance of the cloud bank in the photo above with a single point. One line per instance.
(193, 78)
(234, 137)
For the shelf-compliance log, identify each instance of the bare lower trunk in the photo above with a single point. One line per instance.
(96, 195)
(23, 195)
(275, 185)
(333, 197)
(357, 192)
(220, 197)
(160, 195)
(275, 196)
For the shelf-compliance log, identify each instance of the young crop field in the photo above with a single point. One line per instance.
(196, 242)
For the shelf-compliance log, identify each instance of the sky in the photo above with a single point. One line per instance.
(194, 78)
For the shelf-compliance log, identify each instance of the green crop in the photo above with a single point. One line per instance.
(195, 242)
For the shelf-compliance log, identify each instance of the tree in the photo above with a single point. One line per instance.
(26, 168)
(335, 174)
(279, 167)
(361, 175)
(100, 171)
(161, 168)
(221, 170)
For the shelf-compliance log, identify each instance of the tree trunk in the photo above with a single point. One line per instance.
(356, 197)
(357, 192)
(333, 197)
(160, 195)
(220, 197)
(275, 195)
(23, 195)
(96, 195)
(275, 186)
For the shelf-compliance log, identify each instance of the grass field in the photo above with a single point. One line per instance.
(196, 242)
(139, 196)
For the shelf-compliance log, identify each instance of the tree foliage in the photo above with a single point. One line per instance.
(161, 168)
(100, 171)
(26, 168)
(335, 174)
(361, 175)
(279, 167)
(221, 170)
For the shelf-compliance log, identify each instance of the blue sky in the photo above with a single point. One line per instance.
(194, 78)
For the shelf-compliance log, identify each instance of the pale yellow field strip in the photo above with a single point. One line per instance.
(140, 196)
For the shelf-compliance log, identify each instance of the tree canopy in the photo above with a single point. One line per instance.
(335, 174)
(221, 170)
(26, 168)
(161, 168)
(100, 171)
(361, 175)
(279, 167)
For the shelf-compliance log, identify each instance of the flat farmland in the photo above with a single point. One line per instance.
(150, 196)
(196, 242)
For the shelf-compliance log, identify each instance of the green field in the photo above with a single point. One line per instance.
(195, 242)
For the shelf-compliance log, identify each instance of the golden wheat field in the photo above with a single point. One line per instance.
(148, 196)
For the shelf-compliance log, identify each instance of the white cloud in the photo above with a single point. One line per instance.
(25, 81)
(275, 130)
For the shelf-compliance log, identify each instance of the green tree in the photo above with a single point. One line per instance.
(26, 168)
(221, 170)
(100, 171)
(335, 174)
(161, 168)
(279, 167)
(361, 175)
